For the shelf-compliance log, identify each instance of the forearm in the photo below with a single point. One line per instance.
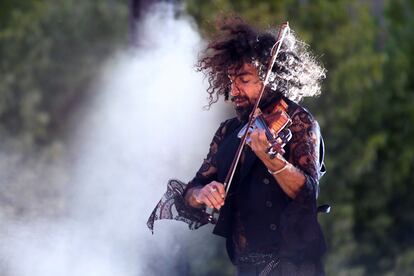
(303, 160)
(290, 179)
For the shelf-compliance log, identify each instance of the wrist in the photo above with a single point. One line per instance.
(196, 194)
(194, 198)
(279, 169)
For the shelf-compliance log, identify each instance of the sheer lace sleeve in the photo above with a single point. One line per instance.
(301, 234)
(306, 149)
(208, 170)
(172, 205)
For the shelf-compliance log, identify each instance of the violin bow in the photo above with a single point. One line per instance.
(283, 31)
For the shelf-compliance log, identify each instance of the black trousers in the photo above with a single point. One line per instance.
(282, 267)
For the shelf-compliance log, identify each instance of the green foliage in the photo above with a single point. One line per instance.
(50, 51)
(366, 114)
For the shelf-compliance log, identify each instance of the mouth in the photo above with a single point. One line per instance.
(239, 101)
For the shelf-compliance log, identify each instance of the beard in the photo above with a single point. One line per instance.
(243, 112)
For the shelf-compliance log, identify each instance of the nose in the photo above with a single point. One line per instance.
(234, 90)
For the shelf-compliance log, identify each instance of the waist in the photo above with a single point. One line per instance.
(256, 258)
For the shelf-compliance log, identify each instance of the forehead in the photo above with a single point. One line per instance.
(246, 69)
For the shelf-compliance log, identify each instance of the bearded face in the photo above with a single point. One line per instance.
(245, 89)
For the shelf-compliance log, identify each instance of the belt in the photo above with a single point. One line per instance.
(256, 258)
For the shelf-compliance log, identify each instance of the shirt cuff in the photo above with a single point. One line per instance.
(308, 192)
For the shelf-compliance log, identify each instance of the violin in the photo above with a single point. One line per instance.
(275, 121)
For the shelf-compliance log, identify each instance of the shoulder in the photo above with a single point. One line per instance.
(227, 125)
(301, 116)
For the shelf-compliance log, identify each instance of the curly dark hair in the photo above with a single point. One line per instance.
(296, 72)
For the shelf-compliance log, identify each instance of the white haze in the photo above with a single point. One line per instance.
(145, 125)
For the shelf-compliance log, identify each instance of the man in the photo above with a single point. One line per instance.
(268, 216)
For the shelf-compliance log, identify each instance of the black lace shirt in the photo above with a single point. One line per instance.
(300, 235)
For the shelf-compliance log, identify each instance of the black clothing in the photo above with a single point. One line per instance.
(258, 218)
(278, 267)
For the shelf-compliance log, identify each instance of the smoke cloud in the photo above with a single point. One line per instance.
(145, 124)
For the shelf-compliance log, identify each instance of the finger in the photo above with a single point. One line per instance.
(262, 142)
(254, 136)
(214, 189)
(213, 201)
(217, 197)
(206, 201)
(263, 139)
(219, 187)
(277, 147)
(221, 190)
(248, 139)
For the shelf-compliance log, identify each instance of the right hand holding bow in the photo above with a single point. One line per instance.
(212, 195)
